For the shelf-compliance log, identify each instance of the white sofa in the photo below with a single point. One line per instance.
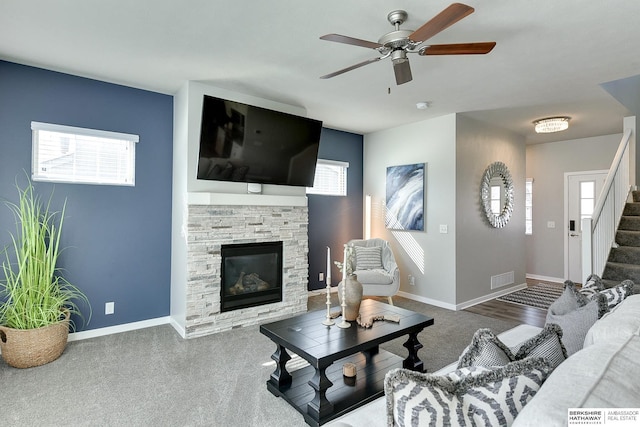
(604, 374)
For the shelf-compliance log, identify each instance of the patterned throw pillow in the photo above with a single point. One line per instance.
(487, 350)
(592, 286)
(368, 258)
(614, 295)
(617, 294)
(547, 344)
(467, 396)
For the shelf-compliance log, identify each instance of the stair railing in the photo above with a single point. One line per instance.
(599, 231)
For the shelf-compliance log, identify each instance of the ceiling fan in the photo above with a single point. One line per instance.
(398, 43)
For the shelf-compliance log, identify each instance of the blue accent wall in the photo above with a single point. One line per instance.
(117, 239)
(333, 220)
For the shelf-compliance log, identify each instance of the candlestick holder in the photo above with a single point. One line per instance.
(344, 324)
(328, 321)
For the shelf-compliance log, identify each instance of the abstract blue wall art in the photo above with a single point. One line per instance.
(405, 197)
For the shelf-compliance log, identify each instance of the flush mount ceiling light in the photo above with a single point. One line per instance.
(551, 124)
(423, 105)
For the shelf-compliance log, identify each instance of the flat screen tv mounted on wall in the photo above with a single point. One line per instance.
(244, 143)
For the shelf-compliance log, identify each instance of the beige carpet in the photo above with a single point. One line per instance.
(153, 377)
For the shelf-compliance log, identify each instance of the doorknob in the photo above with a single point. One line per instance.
(574, 235)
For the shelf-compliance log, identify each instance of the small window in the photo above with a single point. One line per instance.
(528, 207)
(587, 199)
(87, 156)
(330, 178)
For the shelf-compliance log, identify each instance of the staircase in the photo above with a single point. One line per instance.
(624, 261)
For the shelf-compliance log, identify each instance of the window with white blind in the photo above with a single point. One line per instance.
(77, 155)
(528, 206)
(330, 178)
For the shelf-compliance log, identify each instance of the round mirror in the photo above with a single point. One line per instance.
(497, 194)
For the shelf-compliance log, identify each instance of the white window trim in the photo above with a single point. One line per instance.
(36, 127)
(84, 131)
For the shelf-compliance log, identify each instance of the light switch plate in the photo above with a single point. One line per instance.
(444, 229)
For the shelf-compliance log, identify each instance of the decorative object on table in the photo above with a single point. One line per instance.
(37, 300)
(328, 320)
(405, 197)
(496, 194)
(368, 322)
(351, 295)
(349, 370)
(342, 292)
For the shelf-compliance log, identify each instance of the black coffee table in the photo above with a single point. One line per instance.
(319, 391)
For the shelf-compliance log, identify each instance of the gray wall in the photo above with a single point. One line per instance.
(458, 264)
(547, 164)
(482, 250)
(429, 256)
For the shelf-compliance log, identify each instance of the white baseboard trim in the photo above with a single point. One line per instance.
(426, 300)
(466, 304)
(489, 297)
(179, 328)
(93, 333)
(544, 278)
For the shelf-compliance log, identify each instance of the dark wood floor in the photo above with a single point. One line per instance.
(508, 311)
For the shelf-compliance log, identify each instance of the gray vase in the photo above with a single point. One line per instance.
(353, 297)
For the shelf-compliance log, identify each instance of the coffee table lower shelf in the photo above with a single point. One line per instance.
(345, 394)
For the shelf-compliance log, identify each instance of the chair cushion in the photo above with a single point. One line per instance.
(368, 258)
(374, 277)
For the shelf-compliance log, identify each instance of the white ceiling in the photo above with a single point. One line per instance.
(550, 59)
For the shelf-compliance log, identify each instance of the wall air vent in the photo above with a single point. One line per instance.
(501, 280)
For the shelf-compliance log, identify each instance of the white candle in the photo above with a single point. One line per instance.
(328, 266)
(344, 264)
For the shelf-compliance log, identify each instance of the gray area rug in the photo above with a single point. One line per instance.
(541, 295)
(153, 377)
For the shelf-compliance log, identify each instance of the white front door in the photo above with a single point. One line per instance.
(583, 190)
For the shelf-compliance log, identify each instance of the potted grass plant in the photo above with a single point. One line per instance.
(35, 300)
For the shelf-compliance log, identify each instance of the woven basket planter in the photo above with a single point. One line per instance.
(26, 348)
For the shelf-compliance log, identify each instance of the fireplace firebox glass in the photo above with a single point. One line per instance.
(251, 275)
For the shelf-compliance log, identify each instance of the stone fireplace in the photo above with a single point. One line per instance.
(212, 229)
(207, 215)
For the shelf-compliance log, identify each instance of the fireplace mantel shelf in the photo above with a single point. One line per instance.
(233, 199)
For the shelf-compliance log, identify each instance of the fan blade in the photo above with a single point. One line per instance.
(402, 71)
(458, 49)
(444, 19)
(350, 40)
(353, 67)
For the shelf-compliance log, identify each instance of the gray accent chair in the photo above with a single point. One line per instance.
(383, 282)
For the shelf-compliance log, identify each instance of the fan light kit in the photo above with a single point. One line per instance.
(551, 124)
(398, 43)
